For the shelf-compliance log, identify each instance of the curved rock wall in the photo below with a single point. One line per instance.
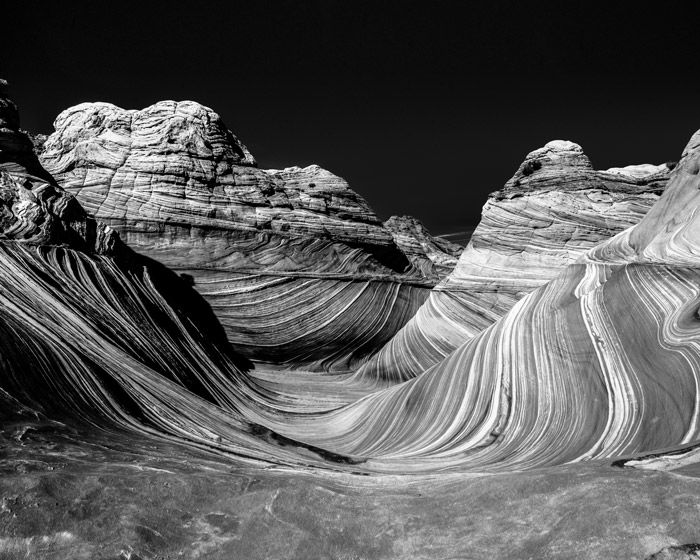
(91, 333)
(551, 211)
(602, 361)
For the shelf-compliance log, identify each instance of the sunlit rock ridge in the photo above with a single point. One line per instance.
(601, 361)
(434, 256)
(294, 263)
(554, 209)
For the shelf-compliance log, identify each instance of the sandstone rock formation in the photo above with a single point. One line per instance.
(293, 262)
(600, 362)
(93, 334)
(433, 256)
(561, 357)
(550, 212)
(33, 209)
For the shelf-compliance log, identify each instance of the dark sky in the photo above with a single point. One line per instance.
(424, 107)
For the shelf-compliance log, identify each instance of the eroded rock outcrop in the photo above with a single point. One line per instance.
(33, 208)
(157, 416)
(94, 335)
(433, 256)
(294, 263)
(555, 208)
(600, 362)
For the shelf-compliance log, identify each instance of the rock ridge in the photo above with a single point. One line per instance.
(295, 264)
(554, 209)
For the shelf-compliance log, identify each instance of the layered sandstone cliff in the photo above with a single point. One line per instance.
(555, 208)
(295, 264)
(91, 333)
(433, 256)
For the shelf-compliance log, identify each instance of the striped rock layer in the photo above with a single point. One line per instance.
(602, 361)
(433, 256)
(33, 208)
(110, 343)
(555, 208)
(295, 264)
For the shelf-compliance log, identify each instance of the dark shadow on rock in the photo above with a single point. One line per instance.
(389, 256)
(179, 293)
(273, 437)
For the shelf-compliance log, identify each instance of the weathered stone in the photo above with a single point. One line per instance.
(295, 264)
(433, 256)
(554, 209)
(129, 429)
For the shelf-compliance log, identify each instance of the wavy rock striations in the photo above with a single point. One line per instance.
(555, 208)
(602, 361)
(101, 338)
(294, 263)
(433, 256)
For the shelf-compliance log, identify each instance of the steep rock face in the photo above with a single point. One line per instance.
(551, 211)
(602, 361)
(433, 256)
(294, 263)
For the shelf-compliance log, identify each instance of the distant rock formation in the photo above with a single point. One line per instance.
(555, 208)
(295, 264)
(433, 256)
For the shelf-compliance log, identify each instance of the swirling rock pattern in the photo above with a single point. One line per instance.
(551, 211)
(100, 337)
(120, 394)
(602, 361)
(279, 254)
(599, 362)
(33, 209)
